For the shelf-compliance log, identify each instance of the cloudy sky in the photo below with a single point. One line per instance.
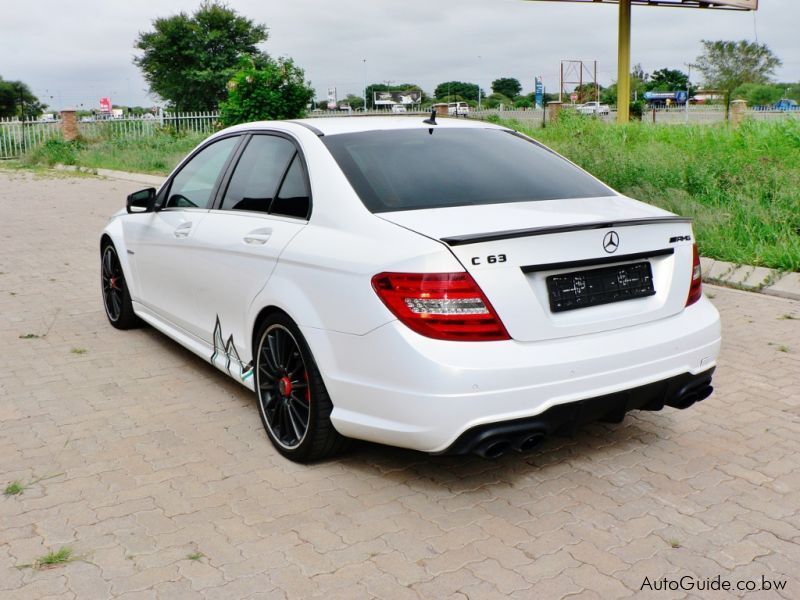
(75, 53)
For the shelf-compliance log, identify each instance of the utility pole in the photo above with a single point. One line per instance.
(479, 83)
(365, 85)
(688, 91)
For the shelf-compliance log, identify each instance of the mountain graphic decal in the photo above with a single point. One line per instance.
(228, 350)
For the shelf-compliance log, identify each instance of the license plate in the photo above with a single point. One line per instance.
(580, 289)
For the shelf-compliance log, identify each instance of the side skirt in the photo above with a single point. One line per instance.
(231, 366)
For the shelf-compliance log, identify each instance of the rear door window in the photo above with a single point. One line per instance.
(294, 198)
(258, 174)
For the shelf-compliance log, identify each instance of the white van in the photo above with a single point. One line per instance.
(398, 108)
(458, 109)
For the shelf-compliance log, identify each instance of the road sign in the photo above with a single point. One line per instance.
(539, 88)
(574, 97)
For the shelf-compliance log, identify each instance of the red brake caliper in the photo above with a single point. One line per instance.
(285, 386)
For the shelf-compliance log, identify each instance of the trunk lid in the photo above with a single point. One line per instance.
(511, 249)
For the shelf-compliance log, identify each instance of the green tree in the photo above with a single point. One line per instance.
(759, 94)
(509, 87)
(726, 65)
(587, 93)
(17, 100)
(667, 80)
(354, 101)
(609, 95)
(468, 91)
(495, 100)
(272, 89)
(188, 60)
(639, 85)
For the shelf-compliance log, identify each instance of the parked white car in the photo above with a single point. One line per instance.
(449, 287)
(593, 108)
(398, 108)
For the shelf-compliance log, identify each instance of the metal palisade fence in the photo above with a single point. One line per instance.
(17, 137)
(20, 136)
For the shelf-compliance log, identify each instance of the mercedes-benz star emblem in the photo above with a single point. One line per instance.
(611, 242)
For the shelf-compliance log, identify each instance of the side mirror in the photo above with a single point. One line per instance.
(141, 201)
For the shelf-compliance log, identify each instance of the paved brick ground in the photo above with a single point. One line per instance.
(138, 455)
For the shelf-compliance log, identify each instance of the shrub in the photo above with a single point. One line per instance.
(56, 151)
(273, 89)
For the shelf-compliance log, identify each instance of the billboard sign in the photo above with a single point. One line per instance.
(539, 89)
(332, 103)
(746, 4)
(105, 105)
(723, 4)
(679, 96)
(391, 98)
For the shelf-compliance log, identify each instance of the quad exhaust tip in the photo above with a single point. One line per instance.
(496, 447)
(686, 399)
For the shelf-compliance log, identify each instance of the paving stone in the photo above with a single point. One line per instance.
(158, 455)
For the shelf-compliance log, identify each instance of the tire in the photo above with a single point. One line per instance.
(293, 403)
(116, 297)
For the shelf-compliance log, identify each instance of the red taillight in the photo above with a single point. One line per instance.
(696, 286)
(444, 306)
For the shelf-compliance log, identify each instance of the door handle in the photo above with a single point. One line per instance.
(258, 236)
(182, 230)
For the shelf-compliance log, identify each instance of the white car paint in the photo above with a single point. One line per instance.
(389, 384)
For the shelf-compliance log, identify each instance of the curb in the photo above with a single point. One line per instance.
(772, 282)
(154, 180)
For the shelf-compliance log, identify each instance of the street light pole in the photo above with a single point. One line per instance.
(479, 83)
(365, 85)
(688, 90)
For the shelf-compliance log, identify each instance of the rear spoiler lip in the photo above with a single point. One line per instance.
(475, 238)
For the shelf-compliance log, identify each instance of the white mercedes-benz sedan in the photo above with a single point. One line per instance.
(449, 286)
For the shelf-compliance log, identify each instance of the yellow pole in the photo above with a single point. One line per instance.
(624, 62)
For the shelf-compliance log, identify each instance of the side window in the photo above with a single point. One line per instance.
(293, 199)
(194, 183)
(258, 173)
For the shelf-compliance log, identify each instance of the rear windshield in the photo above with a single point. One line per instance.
(411, 169)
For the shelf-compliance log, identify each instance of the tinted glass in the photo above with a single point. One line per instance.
(258, 173)
(293, 199)
(194, 183)
(421, 168)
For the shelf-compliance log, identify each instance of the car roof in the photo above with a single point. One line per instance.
(337, 125)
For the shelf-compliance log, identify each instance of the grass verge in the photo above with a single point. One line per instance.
(740, 185)
(156, 155)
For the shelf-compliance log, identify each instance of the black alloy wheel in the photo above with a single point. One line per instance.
(116, 298)
(284, 394)
(293, 403)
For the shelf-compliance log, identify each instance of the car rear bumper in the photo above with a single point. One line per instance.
(493, 439)
(396, 387)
